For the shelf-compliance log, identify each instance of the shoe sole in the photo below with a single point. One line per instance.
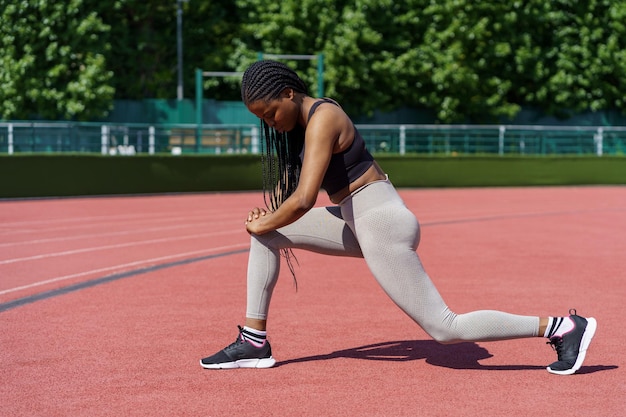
(590, 331)
(242, 363)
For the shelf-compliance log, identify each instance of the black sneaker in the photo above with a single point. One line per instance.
(240, 354)
(571, 347)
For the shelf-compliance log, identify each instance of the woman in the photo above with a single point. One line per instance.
(313, 144)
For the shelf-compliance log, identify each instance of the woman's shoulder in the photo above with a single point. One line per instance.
(318, 103)
(330, 100)
(332, 123)
(326, 112)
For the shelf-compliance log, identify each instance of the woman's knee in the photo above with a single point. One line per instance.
(267, 240)
(444, 336)
(444, 331)
(447, 340)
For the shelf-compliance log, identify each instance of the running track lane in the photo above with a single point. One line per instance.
(133, 291)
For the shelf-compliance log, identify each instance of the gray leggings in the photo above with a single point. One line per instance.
(373, 223)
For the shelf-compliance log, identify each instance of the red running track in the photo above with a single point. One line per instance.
(106, 305)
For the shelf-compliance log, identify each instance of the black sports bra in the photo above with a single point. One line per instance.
(346, 166)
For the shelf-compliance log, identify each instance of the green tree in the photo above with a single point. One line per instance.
(143, 46)
(143, 38)
(211, 30)
(578, 62)
(52, 63)
(338, 29)
(465, 60)
(461, 65)
(384, 54)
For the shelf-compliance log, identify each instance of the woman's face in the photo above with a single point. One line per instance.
(281, 113)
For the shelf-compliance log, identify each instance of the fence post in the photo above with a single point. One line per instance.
(199, 99)
(151, 140)
(10, 138)
(501, 140)
(598, 138)
(255, 139)
(104, 139)
(402, 139)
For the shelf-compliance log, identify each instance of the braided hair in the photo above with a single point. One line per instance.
(265, 80)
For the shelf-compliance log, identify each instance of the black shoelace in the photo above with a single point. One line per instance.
(557, 345)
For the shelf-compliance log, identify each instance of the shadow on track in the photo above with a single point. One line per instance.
(455, 356)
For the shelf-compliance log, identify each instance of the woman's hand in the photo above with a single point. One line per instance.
(254, 220)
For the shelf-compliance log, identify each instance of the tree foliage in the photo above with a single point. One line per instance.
(464, 60)
(579, 62)
(52, 62)
(143, 46)
(143, 37)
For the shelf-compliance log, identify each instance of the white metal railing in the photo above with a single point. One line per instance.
(130, 139)
(500, 139)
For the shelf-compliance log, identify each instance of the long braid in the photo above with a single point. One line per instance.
(280, 156)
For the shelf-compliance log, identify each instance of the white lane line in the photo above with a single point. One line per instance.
(99, 235)
(116, 246)
(107, 217)
(111, 221)
(121, 267)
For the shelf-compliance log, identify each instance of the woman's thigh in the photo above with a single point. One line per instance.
(321, 230)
